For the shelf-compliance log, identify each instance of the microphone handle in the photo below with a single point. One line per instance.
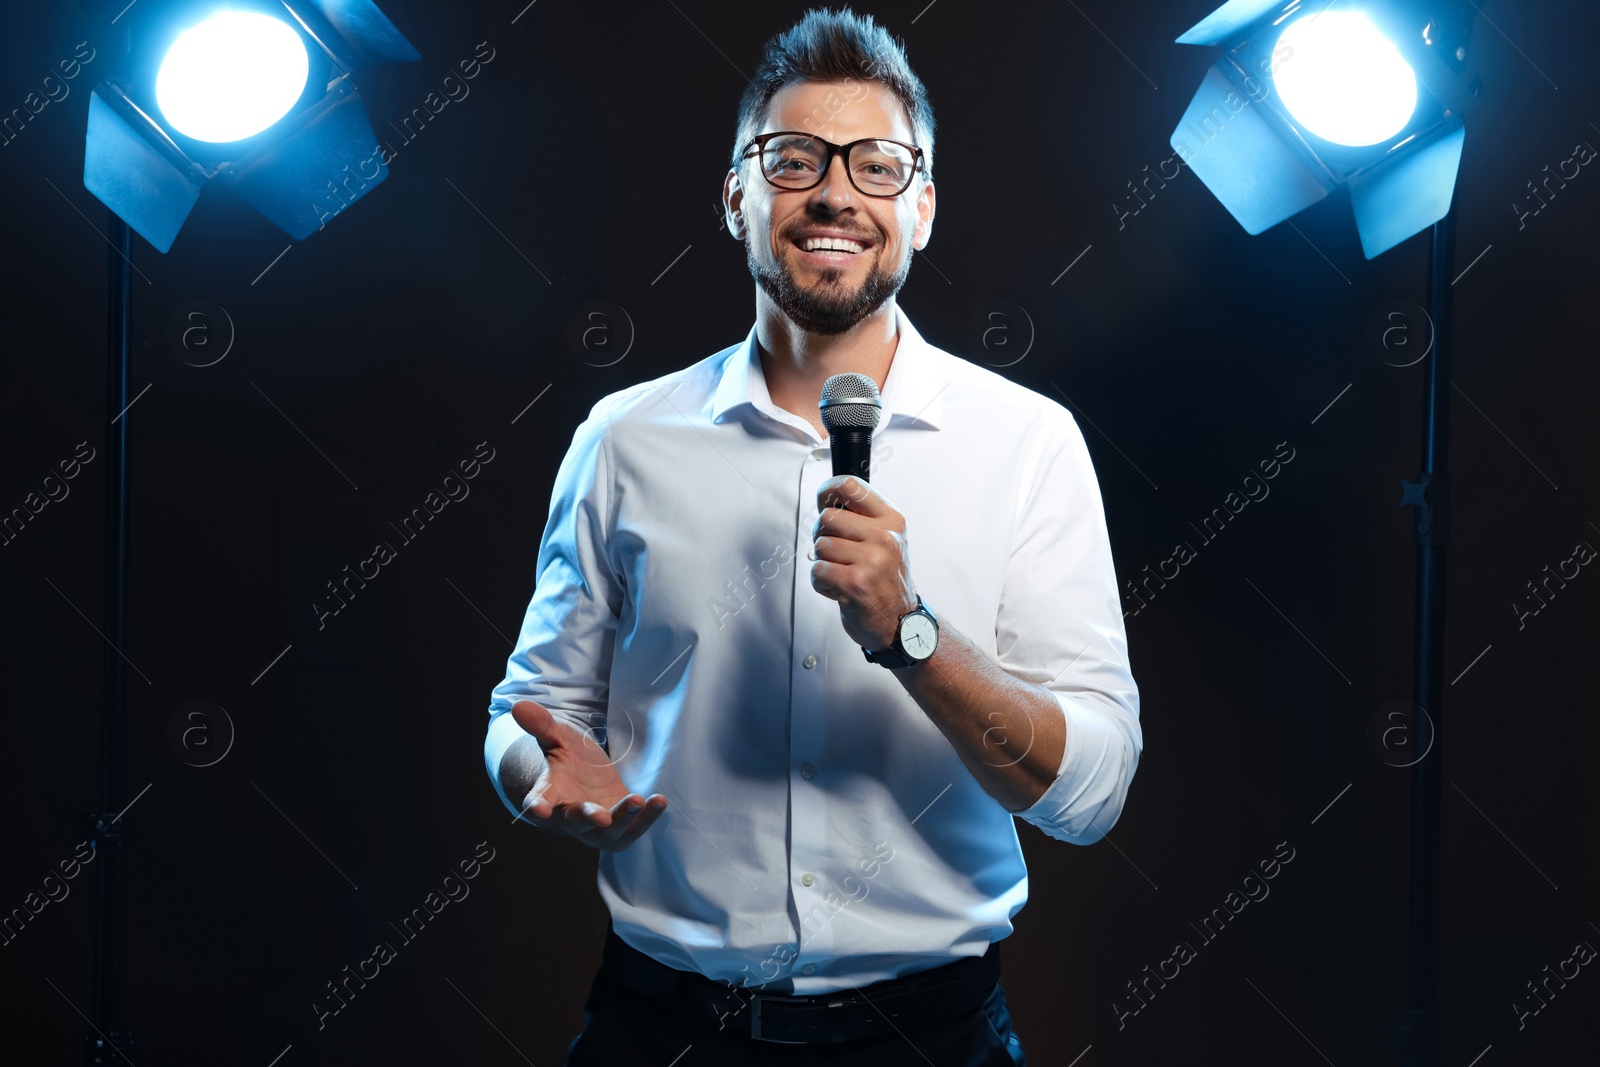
(852, 451)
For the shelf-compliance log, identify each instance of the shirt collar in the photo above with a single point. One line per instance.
(912, 393)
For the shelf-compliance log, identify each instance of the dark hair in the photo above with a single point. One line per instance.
(830, 46)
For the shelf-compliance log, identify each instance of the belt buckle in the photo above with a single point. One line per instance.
(755, 1021)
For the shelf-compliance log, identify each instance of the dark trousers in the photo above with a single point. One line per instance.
(624, 1028)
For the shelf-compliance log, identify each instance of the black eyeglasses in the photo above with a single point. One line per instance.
(877, 166)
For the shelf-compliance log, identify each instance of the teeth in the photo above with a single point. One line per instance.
(830, 244)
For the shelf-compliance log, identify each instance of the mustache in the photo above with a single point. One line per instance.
(863, 235)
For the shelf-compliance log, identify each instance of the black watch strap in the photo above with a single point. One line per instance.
(890, 657)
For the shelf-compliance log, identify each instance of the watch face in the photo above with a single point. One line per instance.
(918, 636)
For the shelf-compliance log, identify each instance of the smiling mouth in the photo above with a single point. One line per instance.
(830, 247)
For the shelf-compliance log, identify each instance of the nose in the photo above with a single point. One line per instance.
(835, 188)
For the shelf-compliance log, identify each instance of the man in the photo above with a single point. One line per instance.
(808, 853)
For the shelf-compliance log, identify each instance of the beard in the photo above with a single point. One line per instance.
(827, 307)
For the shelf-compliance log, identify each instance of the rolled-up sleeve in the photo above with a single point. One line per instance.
(562, 657)
(1060, 626)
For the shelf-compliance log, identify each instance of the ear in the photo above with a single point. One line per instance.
(733, 205)
(925, 208)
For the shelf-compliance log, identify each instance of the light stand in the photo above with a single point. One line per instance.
(1400, 171)
(109, 1039)
(1418, 1037)
(134, 166)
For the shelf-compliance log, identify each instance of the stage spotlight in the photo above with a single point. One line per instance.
(255, 94)
(232, 76)
(1366, 97)
(1348, 84)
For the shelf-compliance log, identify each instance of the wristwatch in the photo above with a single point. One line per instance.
(915, 638)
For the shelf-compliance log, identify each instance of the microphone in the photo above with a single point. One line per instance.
(850, 408)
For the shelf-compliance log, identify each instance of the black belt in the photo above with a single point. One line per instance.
(939, 994)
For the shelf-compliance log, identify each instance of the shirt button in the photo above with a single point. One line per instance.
(808, 968)
(809, 662)
(806, 772)
(807, 878)
(821, 453)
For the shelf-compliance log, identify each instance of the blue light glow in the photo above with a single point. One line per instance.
(231, 76)
(1343, 80)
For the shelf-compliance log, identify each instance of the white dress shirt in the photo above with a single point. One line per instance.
(820, 830)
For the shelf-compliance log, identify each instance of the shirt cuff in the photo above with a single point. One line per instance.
(504, 731)
(1097, 764)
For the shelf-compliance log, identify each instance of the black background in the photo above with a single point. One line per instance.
(417, 325)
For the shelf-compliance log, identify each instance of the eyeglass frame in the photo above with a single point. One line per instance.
(832, 149)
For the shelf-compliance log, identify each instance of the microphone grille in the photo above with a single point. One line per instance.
(850, 402)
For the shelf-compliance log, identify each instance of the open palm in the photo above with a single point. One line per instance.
(579, 791)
